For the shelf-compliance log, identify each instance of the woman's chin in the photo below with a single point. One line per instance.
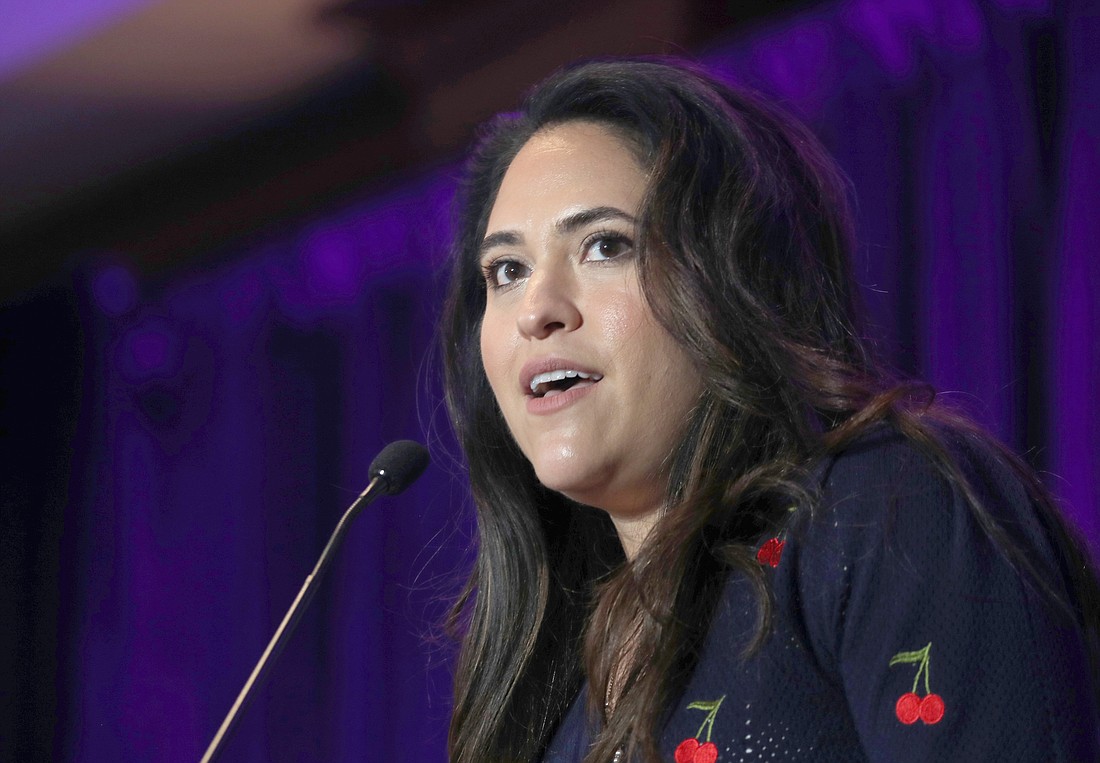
(601, 491)
(568, 480)
(573, 478)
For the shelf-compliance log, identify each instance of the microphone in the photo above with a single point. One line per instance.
(398, 465)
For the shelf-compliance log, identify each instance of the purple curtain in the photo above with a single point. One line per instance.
(229, 415)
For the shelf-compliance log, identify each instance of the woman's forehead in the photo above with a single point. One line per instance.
(566, 166)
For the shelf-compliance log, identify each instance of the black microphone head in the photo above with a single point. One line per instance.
(399, 465)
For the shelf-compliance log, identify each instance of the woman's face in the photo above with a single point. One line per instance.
(596, 393)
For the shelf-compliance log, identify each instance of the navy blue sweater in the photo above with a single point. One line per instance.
(902, 633)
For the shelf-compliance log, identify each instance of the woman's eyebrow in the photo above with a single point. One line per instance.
(567, 224)
(500, 238)
(584, 217)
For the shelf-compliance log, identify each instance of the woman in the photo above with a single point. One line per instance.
(710, 528)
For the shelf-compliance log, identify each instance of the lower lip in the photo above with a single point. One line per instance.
(541, 406)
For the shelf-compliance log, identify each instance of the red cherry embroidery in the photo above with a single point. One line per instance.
(908, 708)
(685, 751)
(691, 750)
(929, 708)
(707, 753)
(771, 552)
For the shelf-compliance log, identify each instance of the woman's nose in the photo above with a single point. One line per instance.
(549, 305)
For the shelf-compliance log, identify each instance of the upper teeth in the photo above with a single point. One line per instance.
(552, 376)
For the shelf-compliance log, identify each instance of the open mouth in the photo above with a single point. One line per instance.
(555, 382)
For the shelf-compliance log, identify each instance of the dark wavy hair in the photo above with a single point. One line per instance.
(743, 248)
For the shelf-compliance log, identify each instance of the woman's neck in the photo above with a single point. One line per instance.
(634, 529)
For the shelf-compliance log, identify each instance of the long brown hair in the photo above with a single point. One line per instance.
(744, 240)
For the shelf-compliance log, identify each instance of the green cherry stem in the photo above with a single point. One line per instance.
(927, 670)
(708, 722)
(922, 669)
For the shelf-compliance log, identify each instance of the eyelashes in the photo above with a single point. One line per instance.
(502, 272)
(607, 244)
(599, 247)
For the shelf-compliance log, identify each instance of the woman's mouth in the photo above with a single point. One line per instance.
(552, 383)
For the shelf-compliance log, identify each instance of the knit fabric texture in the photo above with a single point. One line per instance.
(901, 633)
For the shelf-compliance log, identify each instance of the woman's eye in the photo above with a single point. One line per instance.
(606, 246)
(504, 272)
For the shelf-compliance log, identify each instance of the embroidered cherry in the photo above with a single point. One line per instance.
(771, 551)
(929, 708)
(691, 750)
(685, 751)
(907, 708)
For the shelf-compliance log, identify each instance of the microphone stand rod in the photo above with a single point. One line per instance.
(290, 620)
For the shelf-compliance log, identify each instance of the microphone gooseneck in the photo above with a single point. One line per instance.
(394, 469)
